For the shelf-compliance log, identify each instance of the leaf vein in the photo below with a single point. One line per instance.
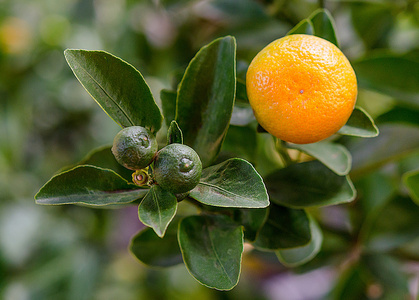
(107, 94)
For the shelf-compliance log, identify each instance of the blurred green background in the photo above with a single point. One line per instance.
(48, 121)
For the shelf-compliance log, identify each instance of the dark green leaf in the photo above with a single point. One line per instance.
(284, 228)
(152, 250)
(402, 82)
(300, 255)
(334, 156)
(233, 183)
(309, 184)
(411, 181)
(323, 25)
(359, 124)
(212, 248)
(206, 96)
(102, 157)
(304, 27)
(118, 88)
(88, 185)
(157, 209)
(168, 102)
(241, 142)
(252, 220)
(174, 134)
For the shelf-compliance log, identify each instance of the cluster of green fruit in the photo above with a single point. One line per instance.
(176, 167)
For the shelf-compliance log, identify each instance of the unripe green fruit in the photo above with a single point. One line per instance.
(177, 168)
(134, 147)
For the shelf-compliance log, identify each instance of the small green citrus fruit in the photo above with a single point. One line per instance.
(177, 168)
(134, 147)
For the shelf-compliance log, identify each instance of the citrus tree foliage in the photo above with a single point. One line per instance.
(273, 205)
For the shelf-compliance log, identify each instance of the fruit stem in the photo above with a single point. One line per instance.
(283, 152)
(321, 3)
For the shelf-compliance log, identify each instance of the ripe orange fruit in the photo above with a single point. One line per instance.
(302, 88)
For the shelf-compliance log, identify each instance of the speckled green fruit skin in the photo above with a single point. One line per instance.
(177, 168)
(134, 147)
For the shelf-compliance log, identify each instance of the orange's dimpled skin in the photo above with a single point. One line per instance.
(302, 88)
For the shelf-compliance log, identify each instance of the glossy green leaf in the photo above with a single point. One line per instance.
(168, 101)
(174, 134)
(157, 209)
(155, 251)
(334, 156)
(309, 184)
(411, 181)
(102, 157)
(233, 183)
(402, 82)
(323, 25)
(206, 96)
(359, 124)
(252, 220)
(88, 185)
(118, 88)
(304, 27)
(300, 255)
(212, 247)
(284, 228)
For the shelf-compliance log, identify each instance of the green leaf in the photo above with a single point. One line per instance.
(401, 83)
(155, 251)
(88, 185)
(334, 156)
(284, 228)
(241, 142)
(118, 88)
(212, 247)
(359, 124)
(252, 220)
(309, 184)
(297, 256)
(102, 157)
(411, 181)
(168, 102)
(233, 183)
(174, 134)
(206, 96)
(157, 209)
(323, 25)
(304, 27)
